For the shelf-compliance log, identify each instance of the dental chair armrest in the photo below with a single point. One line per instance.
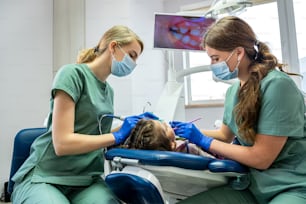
(161, 158)
(225, 165)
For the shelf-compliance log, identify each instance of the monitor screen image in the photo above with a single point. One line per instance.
(180, 31)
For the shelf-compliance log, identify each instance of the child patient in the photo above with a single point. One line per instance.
(156, 135)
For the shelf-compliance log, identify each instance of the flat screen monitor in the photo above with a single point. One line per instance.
(184, 32)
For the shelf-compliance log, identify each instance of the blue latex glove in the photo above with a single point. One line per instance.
(192, 133)
(126, 128)
(128, 124)
(148, 115)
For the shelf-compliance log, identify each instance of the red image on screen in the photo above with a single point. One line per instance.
(180, 32)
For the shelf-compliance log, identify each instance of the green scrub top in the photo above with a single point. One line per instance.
(93, 98)
(282, 113)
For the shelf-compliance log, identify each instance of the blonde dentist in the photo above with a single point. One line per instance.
(66, 163)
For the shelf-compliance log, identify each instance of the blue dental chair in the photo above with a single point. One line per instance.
(146, 176)
(21, 150)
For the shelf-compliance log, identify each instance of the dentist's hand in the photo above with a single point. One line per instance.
(128, 124)
(192, 133)
(148, 115)
(126, 128)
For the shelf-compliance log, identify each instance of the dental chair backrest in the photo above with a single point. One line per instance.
(21, 150)
(134, 185)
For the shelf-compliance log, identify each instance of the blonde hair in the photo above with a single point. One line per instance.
(119, 33)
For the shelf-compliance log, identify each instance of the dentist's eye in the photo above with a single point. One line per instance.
(133, 55)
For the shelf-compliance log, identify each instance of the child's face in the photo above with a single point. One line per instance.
(169, 132)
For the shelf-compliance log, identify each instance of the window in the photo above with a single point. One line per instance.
(200, 87)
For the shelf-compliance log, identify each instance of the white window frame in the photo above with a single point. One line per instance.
(288, 48)
(187, 87)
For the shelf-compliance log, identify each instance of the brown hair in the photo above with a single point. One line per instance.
(146, 135)
(119, 33)
(227, 34)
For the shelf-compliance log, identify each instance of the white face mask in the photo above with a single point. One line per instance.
(124, 67)
(221, 70)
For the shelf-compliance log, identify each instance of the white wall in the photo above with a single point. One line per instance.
(209, 115)
(146, 82)
(25, 70)
(68, 31)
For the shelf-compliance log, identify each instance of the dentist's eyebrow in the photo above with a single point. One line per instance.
(214, 56)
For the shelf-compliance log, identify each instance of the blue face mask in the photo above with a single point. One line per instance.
(124, 67)
(221, 70)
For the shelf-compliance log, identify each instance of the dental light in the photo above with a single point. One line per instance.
(227, 7)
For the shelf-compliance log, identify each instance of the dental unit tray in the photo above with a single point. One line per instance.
(151, 176)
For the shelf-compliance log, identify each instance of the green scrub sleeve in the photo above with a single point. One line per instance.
(68, 80)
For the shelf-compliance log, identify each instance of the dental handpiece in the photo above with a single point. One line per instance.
(117, 117)
(114, 116)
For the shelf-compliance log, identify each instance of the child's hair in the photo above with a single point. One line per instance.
(146, 135)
